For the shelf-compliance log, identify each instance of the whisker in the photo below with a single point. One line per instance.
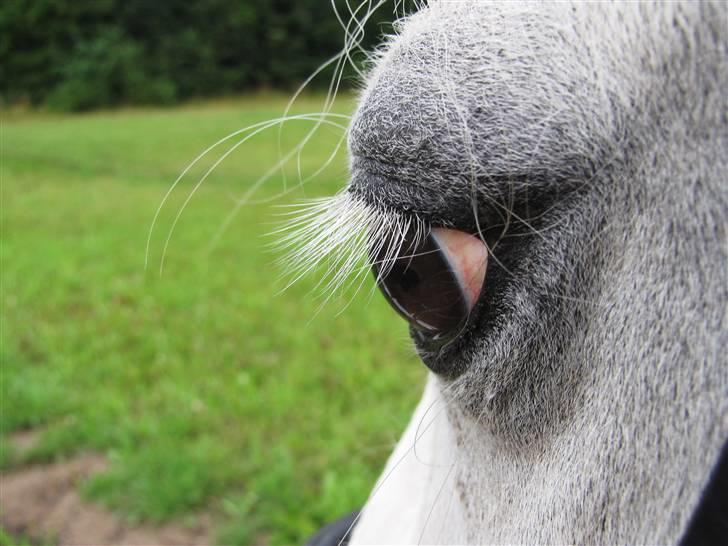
(385, 477)
(201, 155)
(434, 502)
(246, 198)
(259, 128)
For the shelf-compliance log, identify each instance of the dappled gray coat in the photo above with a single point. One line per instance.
(586, 400)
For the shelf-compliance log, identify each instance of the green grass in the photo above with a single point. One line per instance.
(11, 540)
(207, 391)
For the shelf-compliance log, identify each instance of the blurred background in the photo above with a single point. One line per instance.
(194, 402)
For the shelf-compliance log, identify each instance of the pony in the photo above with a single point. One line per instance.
(541, 190)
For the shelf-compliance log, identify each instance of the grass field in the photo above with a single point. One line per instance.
(206, 390)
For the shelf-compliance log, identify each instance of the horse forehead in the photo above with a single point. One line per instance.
(523, 54)
(511, 65)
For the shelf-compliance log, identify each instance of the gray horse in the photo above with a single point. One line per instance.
(544, 193)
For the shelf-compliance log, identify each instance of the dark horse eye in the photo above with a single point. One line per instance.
(435, 284)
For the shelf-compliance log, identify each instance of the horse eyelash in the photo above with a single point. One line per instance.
(339, 234)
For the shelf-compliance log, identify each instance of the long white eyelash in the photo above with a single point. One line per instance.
(339, 235)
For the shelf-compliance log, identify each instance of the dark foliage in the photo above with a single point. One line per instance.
(75, 55)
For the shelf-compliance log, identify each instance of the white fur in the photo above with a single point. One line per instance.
(592, 409)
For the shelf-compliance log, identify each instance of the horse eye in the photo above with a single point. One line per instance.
(423, 287)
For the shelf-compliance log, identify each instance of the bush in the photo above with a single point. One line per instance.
(79, 55)
(108, 71)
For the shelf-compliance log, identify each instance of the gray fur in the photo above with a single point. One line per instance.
(588, 399)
